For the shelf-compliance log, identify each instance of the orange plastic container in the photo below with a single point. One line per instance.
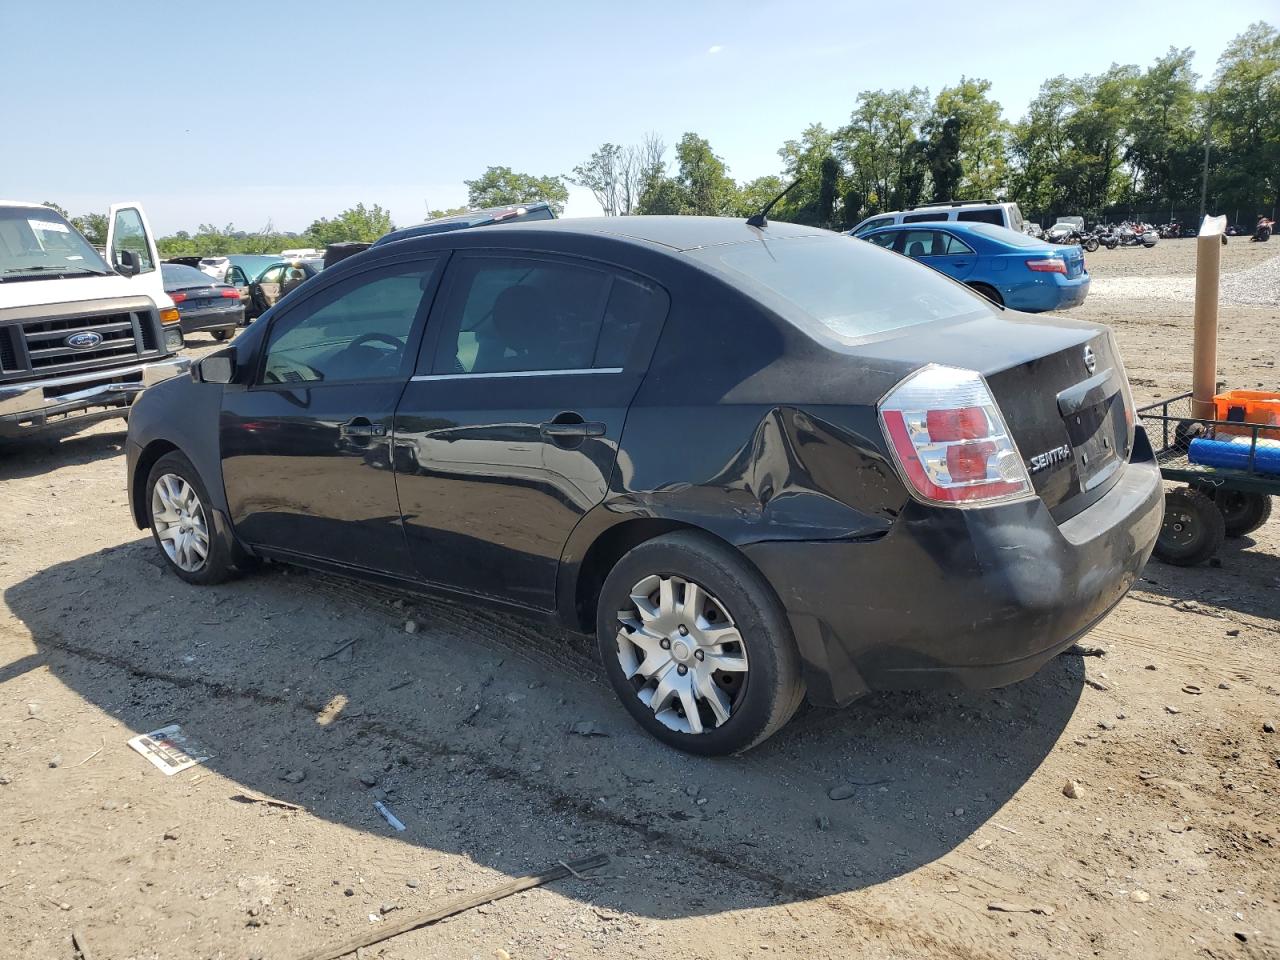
(1248, 406)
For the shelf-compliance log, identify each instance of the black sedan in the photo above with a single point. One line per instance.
(754, 462)
(204, 305)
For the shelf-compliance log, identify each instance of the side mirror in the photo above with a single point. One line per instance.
(128, 264)
(219, 367)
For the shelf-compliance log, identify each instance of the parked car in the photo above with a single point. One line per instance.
(1001, 213)
(1033, 229)
(538, 210)
(204, 305)
(81, 335)
(1007, 267)
(278, 280)
(752, 462)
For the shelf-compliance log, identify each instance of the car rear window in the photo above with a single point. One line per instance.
(178, 274)
(1014, 238)
(851, 288)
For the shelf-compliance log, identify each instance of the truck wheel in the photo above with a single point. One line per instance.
(697, 646)
(1242, 513)
(179, 509)
(1193, 528)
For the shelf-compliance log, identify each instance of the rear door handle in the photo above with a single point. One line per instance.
(361, 427)
(556, 430)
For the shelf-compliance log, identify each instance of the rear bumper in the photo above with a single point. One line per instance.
(80, 398)
(973, 598)
(198, 321)
(1054, 292)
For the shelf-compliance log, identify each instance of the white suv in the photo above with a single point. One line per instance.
(1002, 214)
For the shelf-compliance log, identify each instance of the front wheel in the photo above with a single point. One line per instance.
(222, 334)
(697, 646)
(1193, 529)
(1090, 244)
(181, 522)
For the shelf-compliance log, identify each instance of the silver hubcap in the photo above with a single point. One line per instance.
(179, 521)
(678, 645)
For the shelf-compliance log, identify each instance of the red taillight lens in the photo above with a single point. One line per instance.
(231, 293)
(1048, 265)
(177, 297)
(950, 440)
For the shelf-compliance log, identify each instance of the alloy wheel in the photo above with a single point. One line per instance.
(682, 652)
(180, 522)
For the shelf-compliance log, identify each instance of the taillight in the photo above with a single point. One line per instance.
(950, 440)
(1048, 265)
(178, 296)
(231, 293)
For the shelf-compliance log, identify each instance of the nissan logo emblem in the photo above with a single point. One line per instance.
(83, 340)
(1090, 361)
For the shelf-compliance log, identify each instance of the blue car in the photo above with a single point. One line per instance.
(1010, 268)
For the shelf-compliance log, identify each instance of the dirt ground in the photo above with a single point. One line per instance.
(1171, 847)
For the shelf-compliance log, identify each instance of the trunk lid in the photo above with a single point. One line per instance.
(1060, 385)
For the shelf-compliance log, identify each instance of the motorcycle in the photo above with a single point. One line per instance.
(1170, 231)
(1262, 233)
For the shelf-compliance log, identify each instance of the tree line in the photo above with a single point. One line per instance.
(1098, 145)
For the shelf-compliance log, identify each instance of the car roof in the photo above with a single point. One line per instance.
(958, 226)
(676, 233)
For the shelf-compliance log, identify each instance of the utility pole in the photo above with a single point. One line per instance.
(1204, 172)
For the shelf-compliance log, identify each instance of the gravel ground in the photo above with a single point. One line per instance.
(1257, 284)
(1122, 805)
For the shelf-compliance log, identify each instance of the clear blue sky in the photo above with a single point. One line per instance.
(248, 112)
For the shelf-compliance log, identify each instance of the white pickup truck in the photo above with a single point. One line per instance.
(79, 337)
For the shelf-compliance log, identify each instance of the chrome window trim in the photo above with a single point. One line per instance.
(582, 371)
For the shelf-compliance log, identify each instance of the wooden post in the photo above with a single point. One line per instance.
(1204, 351)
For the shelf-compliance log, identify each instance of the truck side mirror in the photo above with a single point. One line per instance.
(129, 265)
(219, 367)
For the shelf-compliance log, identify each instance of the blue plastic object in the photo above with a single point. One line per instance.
(1235, 454)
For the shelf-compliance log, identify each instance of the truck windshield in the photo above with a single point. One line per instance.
(36, 242)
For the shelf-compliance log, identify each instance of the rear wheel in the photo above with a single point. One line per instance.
(1193, 529)
(990, 292)
(697, 646)
(1242, 512)
(1090, 244)
(222, 334)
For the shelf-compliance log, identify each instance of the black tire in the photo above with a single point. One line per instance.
(1242, 512)
(1193, 528)
(988, 291)
(222, 334)
(1111, 243)
(1090, 244)
(762, 699)
(217, 565)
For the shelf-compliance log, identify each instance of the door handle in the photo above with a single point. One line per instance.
(361, 427)
(555, 431)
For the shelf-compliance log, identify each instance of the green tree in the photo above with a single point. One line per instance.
(451, 212)
(881, 147)
(1246, 121)
(706, 188)
(1163, 155)
(502, 186)
(62, 210)
(607, 175)
(755, 194)
(93, 226)
(977, 137)
(355, 224)
(803, 163)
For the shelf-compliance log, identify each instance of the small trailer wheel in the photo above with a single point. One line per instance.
(1193, 529)
(1243, 512)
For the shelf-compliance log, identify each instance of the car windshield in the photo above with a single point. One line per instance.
(252, 263)
(1013, 238)
(178, 275)
(37, 242)
(853, 289)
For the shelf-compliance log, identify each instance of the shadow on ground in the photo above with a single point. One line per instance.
(41, 453)
(466, 728)
(1244, 576)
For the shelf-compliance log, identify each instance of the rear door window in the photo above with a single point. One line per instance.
(924, 217)
(934, 243)
(885, 239)
(540, 315)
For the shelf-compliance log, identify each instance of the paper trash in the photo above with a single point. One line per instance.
(169, 749)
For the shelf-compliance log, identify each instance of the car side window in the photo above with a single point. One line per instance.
(529, 315)
(885, 239)
(982, 216)
(923, 217)
(945, 245)
(131, 235)
(934, 243)
(272, 275)
(356, 330)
